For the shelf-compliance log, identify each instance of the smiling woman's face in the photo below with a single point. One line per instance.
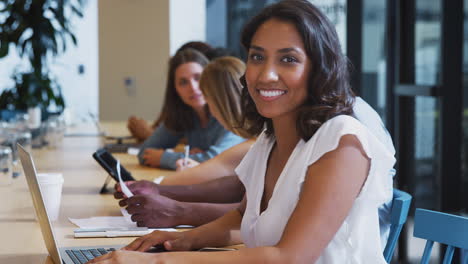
(187, 78)
(277, 69)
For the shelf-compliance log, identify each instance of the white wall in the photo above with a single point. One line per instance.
(133, 43)
(136, 39)
(81, 90)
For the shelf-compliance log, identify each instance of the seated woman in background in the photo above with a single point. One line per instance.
(220, 86)
(138, 127)
(185, 114)
(222, 90)
(315, 176)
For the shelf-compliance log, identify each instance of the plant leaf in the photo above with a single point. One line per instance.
(4, 45)
(77, 11)
(48, 23)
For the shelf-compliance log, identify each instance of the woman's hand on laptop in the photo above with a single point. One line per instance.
(124, 257)
(172, 241)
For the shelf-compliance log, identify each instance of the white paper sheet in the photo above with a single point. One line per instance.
(128, 193)
(158, 179)
(133, 151)
(102, 222)
(107, 222)
(124, 187)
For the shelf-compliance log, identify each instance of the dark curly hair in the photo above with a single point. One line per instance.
(329, 91)
(176, 115)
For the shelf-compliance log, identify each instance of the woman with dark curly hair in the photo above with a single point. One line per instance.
(315, 177)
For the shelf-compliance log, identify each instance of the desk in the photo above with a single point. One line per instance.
(20, 236)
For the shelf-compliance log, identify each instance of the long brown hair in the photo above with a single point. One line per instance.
(176, 115)
(329, 91)
(220, 83)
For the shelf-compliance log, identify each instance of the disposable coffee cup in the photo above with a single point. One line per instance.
(51, 190)
(34, 114)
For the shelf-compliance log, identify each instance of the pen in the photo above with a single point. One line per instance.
(187, 150)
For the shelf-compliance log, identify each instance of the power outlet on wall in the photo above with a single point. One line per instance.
(81, 69)
(130, 86)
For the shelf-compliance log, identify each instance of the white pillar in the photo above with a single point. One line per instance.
(136, 39)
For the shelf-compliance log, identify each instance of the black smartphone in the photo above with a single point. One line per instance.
(109, 163)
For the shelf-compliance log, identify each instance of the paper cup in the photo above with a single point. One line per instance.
(34, 114)
(51, 189)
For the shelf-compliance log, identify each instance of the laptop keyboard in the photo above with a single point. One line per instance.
(80, 256)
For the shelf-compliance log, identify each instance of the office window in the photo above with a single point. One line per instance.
(77, 69)
(427, 69)
(226, 18)
(465, 111)
(373, 86)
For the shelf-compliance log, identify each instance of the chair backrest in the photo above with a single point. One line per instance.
(398, 215)
(448, 229)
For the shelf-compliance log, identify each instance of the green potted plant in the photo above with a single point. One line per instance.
(38, 29)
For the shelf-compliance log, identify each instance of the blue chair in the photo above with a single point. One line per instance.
(398, 215)
(448, 229)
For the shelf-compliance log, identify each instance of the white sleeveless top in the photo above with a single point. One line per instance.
(370, 119)
(358, 239)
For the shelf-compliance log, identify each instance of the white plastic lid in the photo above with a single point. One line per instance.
(50, 177)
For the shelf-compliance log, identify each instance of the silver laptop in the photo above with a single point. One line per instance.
(68, 255)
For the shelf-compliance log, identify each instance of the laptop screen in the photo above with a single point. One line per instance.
(46, 228)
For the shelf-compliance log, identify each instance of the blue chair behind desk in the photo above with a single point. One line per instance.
(399, 213)
(448, 229)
